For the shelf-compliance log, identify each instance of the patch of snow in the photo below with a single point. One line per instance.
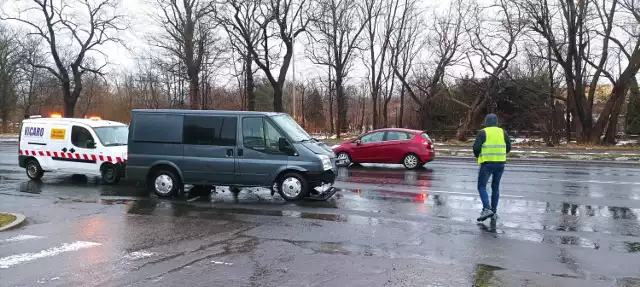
(530, 151)
(139, 255)
(21, 238)
(9, 261)
(9, 138)
(627, 142)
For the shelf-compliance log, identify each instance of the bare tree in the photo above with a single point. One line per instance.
(336, 37)
(381, 17)
(493, 39)
(91, 24)
(282, 21)
(32, 78)
(405, 44)
(238, 19)
(188, 35)
(572, 30)
(10, 58)
(629, 52)
(444, 42)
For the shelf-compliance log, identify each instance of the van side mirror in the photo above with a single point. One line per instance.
(282, 144)
(285, 147)
(91, 144)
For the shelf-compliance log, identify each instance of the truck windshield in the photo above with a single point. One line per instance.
(113, 136)
(291, 128)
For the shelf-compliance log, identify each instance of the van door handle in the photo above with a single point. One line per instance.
(64, 149)
(240, 152)
(229, 152)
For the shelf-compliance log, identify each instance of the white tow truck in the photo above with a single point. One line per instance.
(89, 146)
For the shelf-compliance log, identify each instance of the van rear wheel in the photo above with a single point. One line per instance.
(293, 187)
(165, 183)
(34, 171)
(110, 174)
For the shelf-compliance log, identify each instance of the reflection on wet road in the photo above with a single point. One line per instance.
(559, 225)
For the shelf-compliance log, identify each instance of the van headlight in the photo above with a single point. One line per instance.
(326, 162)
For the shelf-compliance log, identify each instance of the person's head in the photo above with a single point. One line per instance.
(491, 120)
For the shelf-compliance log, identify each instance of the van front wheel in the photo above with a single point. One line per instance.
(292, 187)
(165, 183)
(34, 171)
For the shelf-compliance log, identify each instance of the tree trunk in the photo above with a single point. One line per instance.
(616, 98)
(568, 120)
(277, 98)
(612, 127)
(194, 92)
(302, 109)
(401, 111)
(364, 107)
(385, 114)
(342, 108)
(424, 116)
(464, 130)
(374, 101)
(251, 96)
(5, 121)
(632, 118)
(331, 116)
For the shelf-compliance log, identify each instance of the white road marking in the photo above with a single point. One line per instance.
(139, 255)
(221, 263)
(589, 181)
(21, 237)
(471, 193)
(192, 199)
(9, 261)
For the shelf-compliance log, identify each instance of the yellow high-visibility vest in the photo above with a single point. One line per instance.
(494, 148)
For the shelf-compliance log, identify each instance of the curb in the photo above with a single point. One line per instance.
(19, 220)
(548, 160)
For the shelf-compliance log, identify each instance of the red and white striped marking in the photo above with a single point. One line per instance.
(97, 158)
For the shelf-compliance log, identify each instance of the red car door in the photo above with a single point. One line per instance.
(368, 149)
(394, 147)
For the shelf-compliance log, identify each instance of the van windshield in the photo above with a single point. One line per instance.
(113, 136)
(291, 128)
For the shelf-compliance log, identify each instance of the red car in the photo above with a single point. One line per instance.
(411, 148)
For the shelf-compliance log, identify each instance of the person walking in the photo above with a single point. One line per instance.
(490, 148)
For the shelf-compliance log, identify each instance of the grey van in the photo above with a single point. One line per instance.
(170, 148)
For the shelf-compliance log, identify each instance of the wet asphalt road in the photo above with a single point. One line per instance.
(560, 225)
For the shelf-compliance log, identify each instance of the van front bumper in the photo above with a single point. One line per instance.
(322, 178)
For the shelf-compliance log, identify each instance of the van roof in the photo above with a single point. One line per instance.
(209, 112)
(89, 122)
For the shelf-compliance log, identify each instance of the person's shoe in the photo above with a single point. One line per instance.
(494, 216)
(486, 213)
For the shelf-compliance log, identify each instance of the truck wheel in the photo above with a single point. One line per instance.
(292, 187)
(34, 171)
(110, 174)
(165, 183)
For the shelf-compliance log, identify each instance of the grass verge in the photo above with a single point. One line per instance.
(6, 219)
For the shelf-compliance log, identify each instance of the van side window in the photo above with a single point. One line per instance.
(157, 128)
(260, 134)
(208, 130)
(81, 137)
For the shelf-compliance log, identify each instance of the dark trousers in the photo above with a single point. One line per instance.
(494, 171)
